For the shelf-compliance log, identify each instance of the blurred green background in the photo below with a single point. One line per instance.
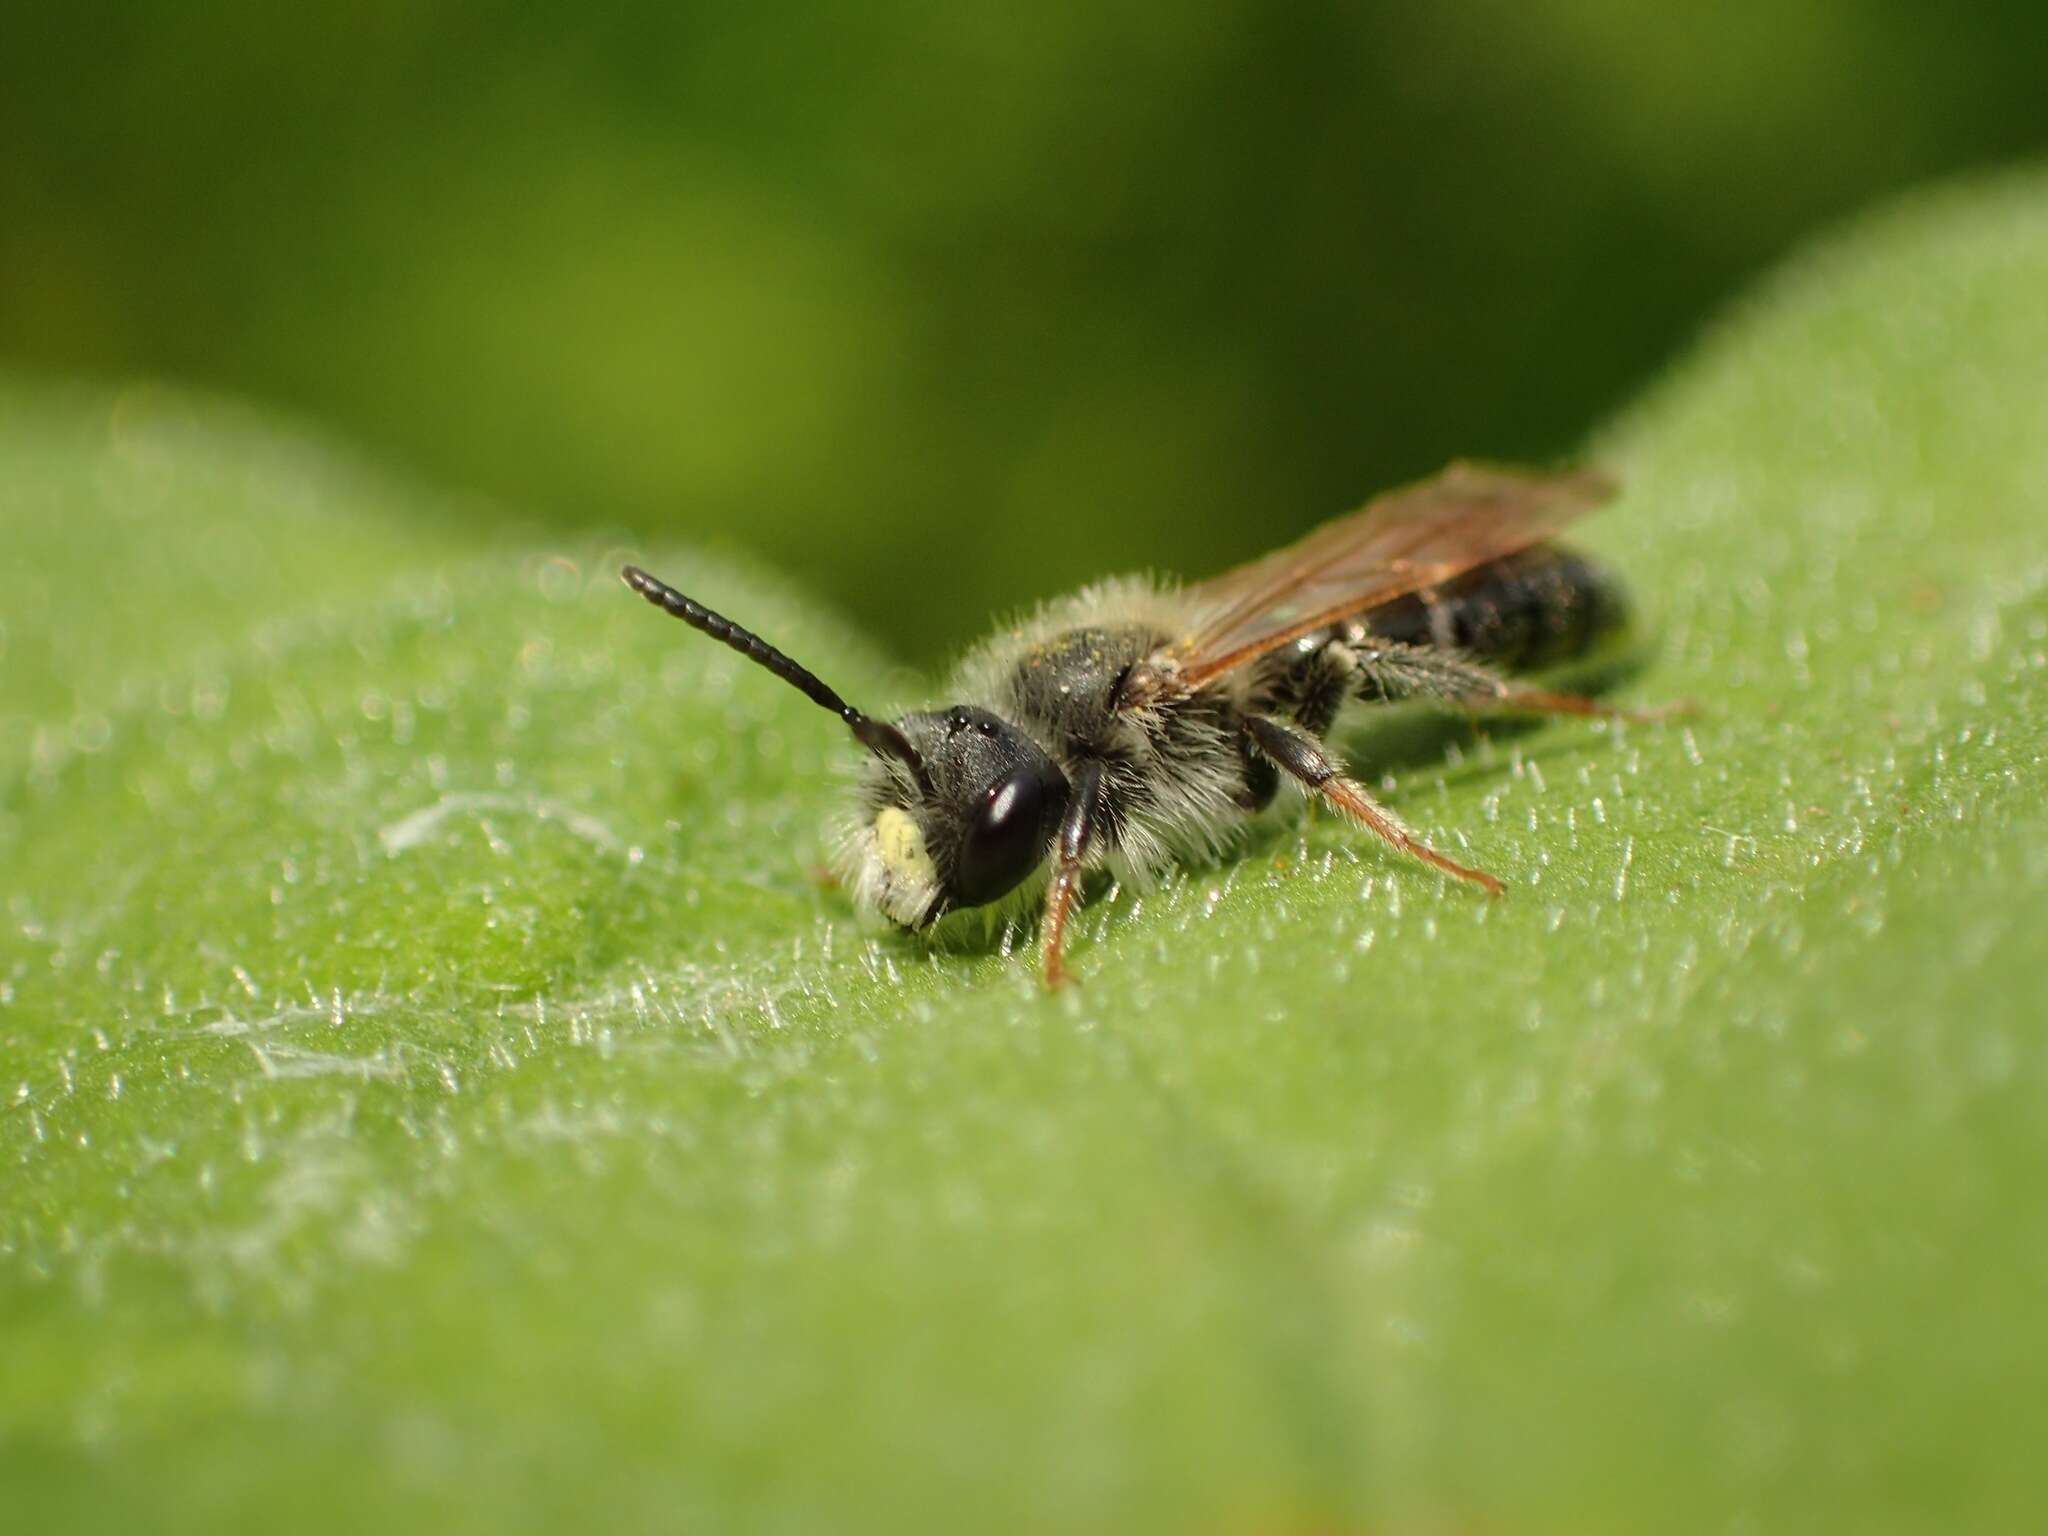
(434, 1098)
(944, 306)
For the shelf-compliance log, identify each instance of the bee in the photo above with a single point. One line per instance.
(1140, 723)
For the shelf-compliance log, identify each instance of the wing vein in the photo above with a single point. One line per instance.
(1405, 541)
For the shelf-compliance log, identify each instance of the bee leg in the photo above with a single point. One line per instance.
(1541, 701)
(1301, 757)
(1323, 683)
(1070, 847)
(1391, 670)
(1396, 671)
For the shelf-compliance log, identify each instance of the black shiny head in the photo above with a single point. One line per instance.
(987, 822)
(961, 805)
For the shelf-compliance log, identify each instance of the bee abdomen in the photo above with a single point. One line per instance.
(1533, 609)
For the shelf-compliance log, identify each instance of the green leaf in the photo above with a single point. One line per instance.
(437, 1092)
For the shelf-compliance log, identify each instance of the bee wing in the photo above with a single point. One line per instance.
(1404, 541)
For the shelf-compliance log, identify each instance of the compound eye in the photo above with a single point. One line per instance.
(1005, 842)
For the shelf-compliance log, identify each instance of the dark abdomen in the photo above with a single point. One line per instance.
(1534, 609)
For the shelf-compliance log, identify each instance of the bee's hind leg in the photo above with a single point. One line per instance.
(1303, 758)
(1390, 670)
(1541, 701)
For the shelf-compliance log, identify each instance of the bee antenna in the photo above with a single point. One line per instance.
(878, 736)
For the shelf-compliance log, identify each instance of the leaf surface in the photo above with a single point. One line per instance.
(436, 1091)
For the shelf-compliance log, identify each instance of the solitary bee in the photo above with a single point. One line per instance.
(1138, 723)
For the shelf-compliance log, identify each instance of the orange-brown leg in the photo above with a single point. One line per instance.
(1070, 847)
(1354, 802)
(1540, 701)
(1301, 757)
(1059, 901)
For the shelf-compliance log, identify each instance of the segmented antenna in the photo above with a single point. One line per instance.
(878, 736)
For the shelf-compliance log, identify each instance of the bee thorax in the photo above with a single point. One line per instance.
(1147, 683)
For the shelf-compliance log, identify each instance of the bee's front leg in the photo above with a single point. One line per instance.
(1070, 847)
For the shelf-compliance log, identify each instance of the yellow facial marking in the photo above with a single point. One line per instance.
(901, 846)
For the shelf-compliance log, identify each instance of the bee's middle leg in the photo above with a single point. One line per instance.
(1302, 758)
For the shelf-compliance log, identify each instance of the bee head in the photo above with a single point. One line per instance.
(981, 822)
(959, 806)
